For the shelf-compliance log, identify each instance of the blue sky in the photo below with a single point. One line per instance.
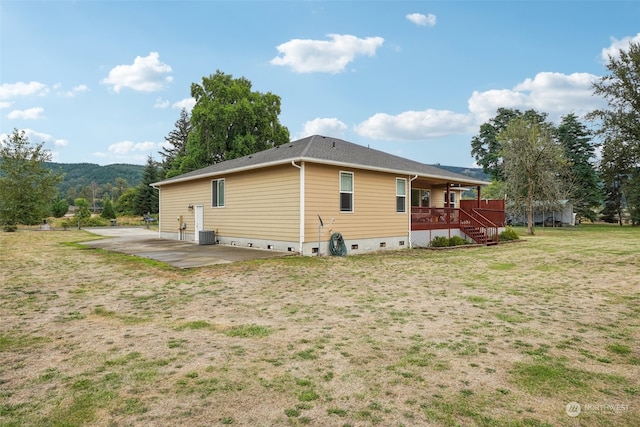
(103, 81)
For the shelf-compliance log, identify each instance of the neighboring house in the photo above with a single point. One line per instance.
(276, 199)
(546, 215)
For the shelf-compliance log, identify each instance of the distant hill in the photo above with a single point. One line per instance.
(476, 173)
(82, 174)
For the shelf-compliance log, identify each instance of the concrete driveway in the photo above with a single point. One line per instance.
(145, 243)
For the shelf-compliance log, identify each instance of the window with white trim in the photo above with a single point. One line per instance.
(401, 195)
(420, 198)
(217, 193)
(346, 191)
(450, 201)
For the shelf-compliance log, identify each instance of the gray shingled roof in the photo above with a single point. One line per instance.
(326, 150)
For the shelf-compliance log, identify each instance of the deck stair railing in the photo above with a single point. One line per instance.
(478, 227)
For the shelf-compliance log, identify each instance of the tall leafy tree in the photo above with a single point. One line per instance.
(581, 175)
(147, 196)
(176, 149)
(532, 162)
(620, 128)
(486, 148)
(616, 170)
(27, 186)
(82, 210)
(126, 204)
(230, 120)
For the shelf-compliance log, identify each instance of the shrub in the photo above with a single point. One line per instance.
(95, 221)
(439, 242)
(509, 234)
(457, 241)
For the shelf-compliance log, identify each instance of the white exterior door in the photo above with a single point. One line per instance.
(199, 221)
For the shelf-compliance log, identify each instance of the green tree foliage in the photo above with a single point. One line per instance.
(230, 120)
(82, 210)
(177, 145)
(486, 148)
(126, 204)
(147, 196)
(581, 175)
(633, 197)
(59, 207)
(620, 128)
(615, 168)
(531, 164)
(495, 190)
(27, 187)
(108, 211)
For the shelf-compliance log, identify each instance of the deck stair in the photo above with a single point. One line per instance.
(480, 229)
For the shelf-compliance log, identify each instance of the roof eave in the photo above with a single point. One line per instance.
(321, 161)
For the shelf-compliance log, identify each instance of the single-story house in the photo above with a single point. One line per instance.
(296, 196)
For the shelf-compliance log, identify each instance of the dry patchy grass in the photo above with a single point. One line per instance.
(493, 336)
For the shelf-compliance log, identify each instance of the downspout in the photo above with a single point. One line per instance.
(410, 213)
(301, 231)
(159, 210)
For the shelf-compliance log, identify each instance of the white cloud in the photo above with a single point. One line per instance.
(616, 46)
(415, 125)
(161, 104)
(129, 151)
(422, 20)
(5, 104)
(186, 103)
(13, 90)
(554, 93)
(308, 56)
(146, 74)
(125, 148)
(327, 126)
(39, 137)
(28, 114)
(74, 91)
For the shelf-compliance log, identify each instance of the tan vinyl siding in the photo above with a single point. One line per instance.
(175, 200)
(374, 204)
(260, 204)
(437, 197)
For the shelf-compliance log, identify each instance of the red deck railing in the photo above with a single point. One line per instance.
(434, 218)
(481, 222)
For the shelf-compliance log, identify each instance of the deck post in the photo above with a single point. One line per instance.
(479, 197)
(447, 200)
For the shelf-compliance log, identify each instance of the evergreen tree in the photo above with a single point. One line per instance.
(147, 196)
(59, 207)
(107, 209)
(177, 145)
(581, 175)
